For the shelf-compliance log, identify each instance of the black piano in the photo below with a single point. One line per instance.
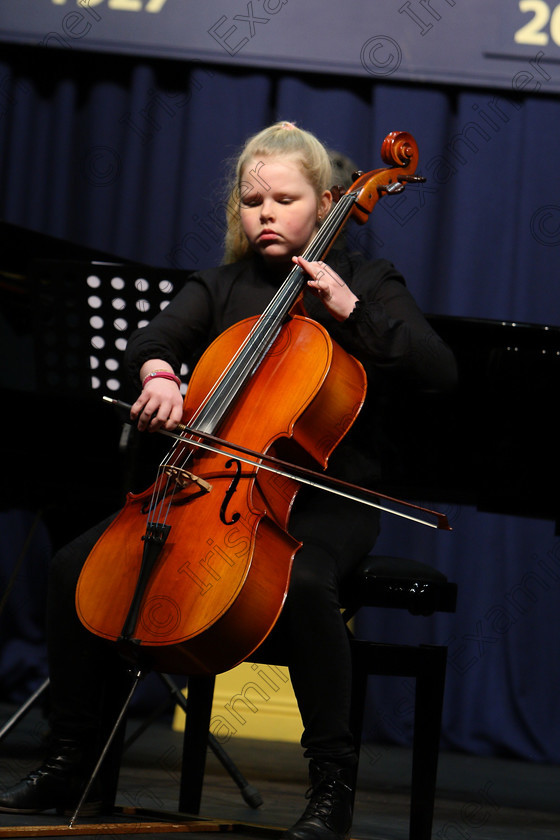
(492, 444)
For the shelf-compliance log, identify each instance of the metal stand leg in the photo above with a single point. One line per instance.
(23, 710)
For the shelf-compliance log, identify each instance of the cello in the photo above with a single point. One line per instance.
(193, 573)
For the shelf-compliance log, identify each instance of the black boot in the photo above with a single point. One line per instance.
(329, 813)
(57, 784)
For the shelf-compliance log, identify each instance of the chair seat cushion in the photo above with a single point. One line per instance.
(398, 582)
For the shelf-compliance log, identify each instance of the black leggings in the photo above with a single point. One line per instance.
(336, 535)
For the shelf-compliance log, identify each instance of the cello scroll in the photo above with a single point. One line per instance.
(399, 151)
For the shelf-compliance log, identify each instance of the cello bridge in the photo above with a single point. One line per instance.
(183, 478)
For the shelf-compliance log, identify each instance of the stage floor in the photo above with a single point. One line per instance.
(478, 798)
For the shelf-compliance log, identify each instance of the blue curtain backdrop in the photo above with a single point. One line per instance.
(128, 156)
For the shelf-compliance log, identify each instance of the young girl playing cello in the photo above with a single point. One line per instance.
(279, 198)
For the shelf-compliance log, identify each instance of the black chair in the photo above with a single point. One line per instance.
(392, 582)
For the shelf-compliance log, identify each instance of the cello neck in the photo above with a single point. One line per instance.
(267, 327)
(317, 249)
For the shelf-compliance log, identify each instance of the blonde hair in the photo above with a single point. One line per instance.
(283, 138)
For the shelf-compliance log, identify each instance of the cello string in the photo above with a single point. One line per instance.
(158, 501)
(159, 492)
(161, 487)
(263, 333)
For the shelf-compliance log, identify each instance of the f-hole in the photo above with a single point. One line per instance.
(230, 491)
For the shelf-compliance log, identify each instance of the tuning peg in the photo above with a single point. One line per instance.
(390, 189)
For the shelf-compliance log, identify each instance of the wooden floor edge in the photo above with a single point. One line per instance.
(138, 827)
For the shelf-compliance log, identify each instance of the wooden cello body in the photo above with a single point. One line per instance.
(193, 573)
(220, 579)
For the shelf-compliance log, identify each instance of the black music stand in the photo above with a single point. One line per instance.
(82, 314)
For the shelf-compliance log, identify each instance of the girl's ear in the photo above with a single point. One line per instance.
(324, 205)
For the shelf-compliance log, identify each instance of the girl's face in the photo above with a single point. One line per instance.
(279, 209)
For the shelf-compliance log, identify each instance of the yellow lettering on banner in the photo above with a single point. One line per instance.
(152, 6)
(125, 5)
(555, 25)
(81, 3)
(534, 31)
(531, 32)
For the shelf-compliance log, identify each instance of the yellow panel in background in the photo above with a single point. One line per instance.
(252, 701)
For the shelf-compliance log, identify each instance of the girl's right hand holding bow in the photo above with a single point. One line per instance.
(160, 404)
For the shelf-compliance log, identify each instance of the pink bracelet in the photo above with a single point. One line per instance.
(161, 374)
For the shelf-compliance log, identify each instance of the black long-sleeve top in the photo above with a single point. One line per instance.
(386, 331)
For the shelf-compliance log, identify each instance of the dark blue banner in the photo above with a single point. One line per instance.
(507, 44)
